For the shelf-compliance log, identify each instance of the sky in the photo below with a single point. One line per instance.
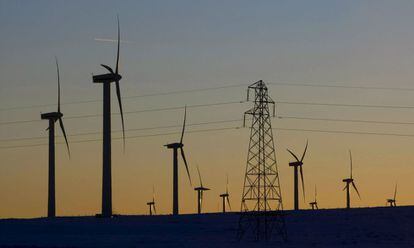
(171, 46)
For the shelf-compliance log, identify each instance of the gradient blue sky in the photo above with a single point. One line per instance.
(177, 45)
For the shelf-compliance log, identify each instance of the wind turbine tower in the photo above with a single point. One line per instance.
(52, 117)
(106, 80)
(151, 204)
(392, 202)
(295, 165)
(225, 196)
(175, 146)
(350, 181)
(314, 204)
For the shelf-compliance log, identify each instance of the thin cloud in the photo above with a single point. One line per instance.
(111, 40)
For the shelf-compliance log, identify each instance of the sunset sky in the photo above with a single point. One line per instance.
(179, 46)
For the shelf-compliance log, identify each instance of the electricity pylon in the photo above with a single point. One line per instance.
(261, 206)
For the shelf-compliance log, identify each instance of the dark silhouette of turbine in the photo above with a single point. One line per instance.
(106, 80)
(350, 181)
(175, 147)
(151, 204)
(314, 204)
(295, 165)
(200, 191)
(53, 117)
(225, 196)
(392, 202)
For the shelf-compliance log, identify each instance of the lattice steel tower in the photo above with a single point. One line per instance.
(261, 206)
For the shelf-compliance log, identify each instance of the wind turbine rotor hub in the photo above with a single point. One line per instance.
(174, 145)
(296, 163)
(106, 78)
(51, 115)
(201, 189)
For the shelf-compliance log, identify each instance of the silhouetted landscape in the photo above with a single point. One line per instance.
(364, 227)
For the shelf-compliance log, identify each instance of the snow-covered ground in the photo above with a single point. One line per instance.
(364, 227)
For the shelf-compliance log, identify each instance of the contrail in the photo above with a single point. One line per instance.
(111, 40)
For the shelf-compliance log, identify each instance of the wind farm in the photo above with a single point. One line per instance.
(278, 98)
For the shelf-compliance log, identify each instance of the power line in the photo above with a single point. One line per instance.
(128, 112)
(346, 120)
(127, 97)
(343, 86)
(159, 109)
(347, 105)
(120, 138)
(216, 88)
(219, 122)
(222, 129)
(128, 130)
(224, 103)
(344, 132)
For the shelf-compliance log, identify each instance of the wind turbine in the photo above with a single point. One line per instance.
(53, 117)
(106, 80)
(314, 204)
(349, 181)
(392, 202)
(200, 190)
(151, 204)
(225, 196)
(175, 146)
(295, 165)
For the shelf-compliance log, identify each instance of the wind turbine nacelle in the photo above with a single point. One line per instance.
(106, 78)
(348, 180)
(51, 115)
(201, 189)
(174, 145)
(150, 203)
(297, 163)
(224, 195)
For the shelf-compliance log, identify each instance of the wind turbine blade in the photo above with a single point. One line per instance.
(185, 118)
(315, 192)
(201, 199)
(199, 177)
(228, 202)
(118, 94)
(227, 183)
(350, 158)
(186, 165)
(345, 187)
(108, 68)
(119, 42)
(293, 154)
(64, 134)
(304, 152)
(153, 193)
(353, 185)
(155, 210)
(395, 192)
(303, 183)
(58, 81)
